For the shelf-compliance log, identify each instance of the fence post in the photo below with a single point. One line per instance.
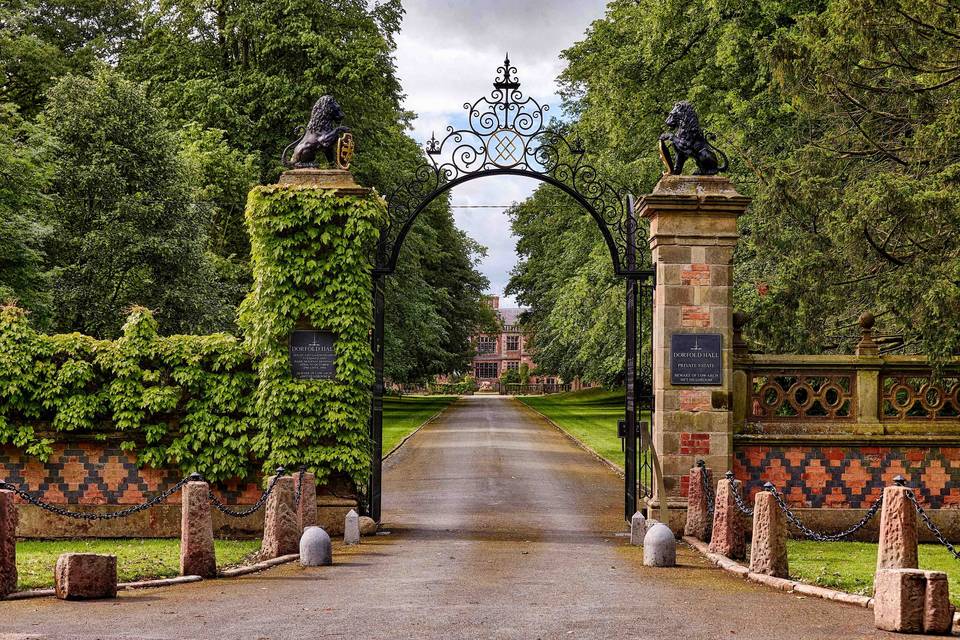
(768, 551)
(898, 528)
(281, 531)
(197, 554)
(8, 542)
(698, 510)
(307, 507)
(727, 536)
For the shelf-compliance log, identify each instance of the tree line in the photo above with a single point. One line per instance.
(131, 132)
(840, 118)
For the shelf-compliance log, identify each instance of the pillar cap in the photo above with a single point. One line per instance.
(338, 179)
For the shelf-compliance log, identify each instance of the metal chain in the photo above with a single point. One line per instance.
(222, 508)
(815, 535)
(735, 489)
(83, 515)
(930, 525)
(707, 486)
(296, 495)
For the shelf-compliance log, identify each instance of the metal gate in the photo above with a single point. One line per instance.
(507, 133)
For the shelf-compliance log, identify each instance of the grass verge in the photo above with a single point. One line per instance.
(849, 566)
(137, 559)
(402, 416)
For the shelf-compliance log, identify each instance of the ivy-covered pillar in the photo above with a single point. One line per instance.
(308, 319)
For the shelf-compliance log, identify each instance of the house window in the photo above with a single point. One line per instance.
(486, 370)
(486, 344)
(513, 343)
(513, 365)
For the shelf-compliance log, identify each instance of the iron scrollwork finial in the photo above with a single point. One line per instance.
(689, 141)
(323, 137)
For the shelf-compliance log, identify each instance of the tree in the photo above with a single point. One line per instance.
(124, 229)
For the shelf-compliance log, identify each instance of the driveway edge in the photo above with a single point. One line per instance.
(422, 425)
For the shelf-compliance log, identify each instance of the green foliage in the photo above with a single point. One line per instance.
(510, 376)
(309, 253)
(524, 371)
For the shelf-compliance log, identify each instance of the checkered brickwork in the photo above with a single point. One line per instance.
(93, 473)
(850, 477)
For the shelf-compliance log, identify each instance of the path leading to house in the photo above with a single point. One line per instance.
(501, 528)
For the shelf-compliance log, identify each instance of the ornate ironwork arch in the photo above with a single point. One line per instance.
(507, 133)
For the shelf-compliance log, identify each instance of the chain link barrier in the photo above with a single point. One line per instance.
(736, 489)
(85, 515)
(224, 509)
(934, 529)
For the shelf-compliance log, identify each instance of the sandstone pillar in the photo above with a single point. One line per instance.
(693, 232)
(768, 551)
(197, 554)
(898, 530)
(698, 514)
(307, 507)
(8, 543)
(727, 536)
(281, 531)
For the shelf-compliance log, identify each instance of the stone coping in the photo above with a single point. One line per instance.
(946, 436)
(785, 584)
(778, 360)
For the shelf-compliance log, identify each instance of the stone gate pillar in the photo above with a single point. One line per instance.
(693, 232)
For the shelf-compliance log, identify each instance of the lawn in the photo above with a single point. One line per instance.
(137, 559)
(590, 416)
(849, 566)
(401, 416)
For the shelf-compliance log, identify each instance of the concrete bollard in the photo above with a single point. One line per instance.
(768, 553)
(281, 531)
(659, 547)
(315, 548)
(898, 529)
(698, 515)
(85, 576)
(307, 507)
(197, 554)
(8, 542)
(351, 528)
(638, 529)
(727, 536)
(912, 601)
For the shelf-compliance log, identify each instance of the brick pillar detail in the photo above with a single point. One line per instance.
(8, 542)
(197, 554)
(693, 233)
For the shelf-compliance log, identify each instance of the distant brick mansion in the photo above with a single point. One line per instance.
(504, 351)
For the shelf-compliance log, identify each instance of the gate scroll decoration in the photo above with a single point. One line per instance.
(507, 133)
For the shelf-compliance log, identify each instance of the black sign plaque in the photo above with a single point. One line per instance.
(312, 355)
(696, 359)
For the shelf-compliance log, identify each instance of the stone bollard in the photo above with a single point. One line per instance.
(727, 536)
(659, 547)
(698, 514)
(85, 576)
(898, 529)
(638, 529)
(8, 542)
(351, 528)
(307, 507)
(315, 548)
(197, 555)
(912, 601)
(768, 553)
(281, 532)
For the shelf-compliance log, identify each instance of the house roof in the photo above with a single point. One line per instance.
(510, 315)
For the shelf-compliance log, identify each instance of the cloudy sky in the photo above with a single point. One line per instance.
(448, 53)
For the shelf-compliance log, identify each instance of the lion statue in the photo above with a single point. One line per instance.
(320, 136)
(689, 141)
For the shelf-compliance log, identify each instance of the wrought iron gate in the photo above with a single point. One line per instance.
(507, 133)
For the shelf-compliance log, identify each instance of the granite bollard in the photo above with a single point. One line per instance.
(912, 601)
(698, 514)
(351, 528)
(315, 547)
(307, 507)
(768, 552)
(638, 529)
(898, 529)
(197, 554)
(85, 576)
(8, 542)
(659, 547)
(727, 536)
(281, 531)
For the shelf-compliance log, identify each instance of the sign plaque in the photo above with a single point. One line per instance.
(313, 355)
(696, 359)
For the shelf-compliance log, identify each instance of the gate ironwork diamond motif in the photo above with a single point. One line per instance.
(508, 147)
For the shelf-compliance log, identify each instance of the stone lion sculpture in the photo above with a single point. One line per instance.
(689, 141)
(320, 136)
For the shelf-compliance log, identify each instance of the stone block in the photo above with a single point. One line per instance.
(197, 555)
(351, 528)
(768, 552)
(638, 529)
(368, 526)
(727, 536)
(898, 531)
(307, 507)
(659, 547)
(281, 530)
(698, 517)
(85, 576)
(315, 547)
(898, 600)
(937, 610)
(8, 542)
